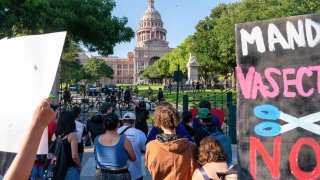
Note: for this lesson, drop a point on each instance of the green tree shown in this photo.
(163, 66)
(205, 44)
(168, 63)
(214, 39)
(96, 68)
(88, 22)
(151, 72)
(71, 70)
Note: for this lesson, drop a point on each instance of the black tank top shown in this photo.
(68, 154)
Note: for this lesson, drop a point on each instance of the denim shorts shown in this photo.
(72, 174)
(37, 172)
(110, 176)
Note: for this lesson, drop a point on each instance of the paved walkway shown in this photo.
(89, 164)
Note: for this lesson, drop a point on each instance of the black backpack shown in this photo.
(40, 159)
(56, 167)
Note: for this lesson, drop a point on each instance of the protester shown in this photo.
(138, 140)
(4, 163)
(66, 129)
(127, 95)
(212, 158)
(181, 87)
(186, 120)
(210, 130)
(213, 125)
(193, 86)
(95, 127)
(53, 124)
(170, 87)
(136, 91)
(120, 91)
(81, 130)
(160, 95)
(40, 160)
(66, 95)
(180, 129)
(170, 156)
(198, 86)
(150, 91)
(113, 96)
(112, 152)
(23, 162)
(142, 114)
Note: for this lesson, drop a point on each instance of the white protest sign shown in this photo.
(28, 67)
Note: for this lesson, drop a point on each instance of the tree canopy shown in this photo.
(214, 40)
(87, 22)
(71, 70)
(97, 68)
(167, 64)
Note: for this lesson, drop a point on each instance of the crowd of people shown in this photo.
(173, 148)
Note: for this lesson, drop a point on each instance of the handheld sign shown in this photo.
(27, 71)
(278, 71)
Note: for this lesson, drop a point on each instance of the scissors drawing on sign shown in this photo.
(270, 112)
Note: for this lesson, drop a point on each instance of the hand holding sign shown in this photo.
(43, 115)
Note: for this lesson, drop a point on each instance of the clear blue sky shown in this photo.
(179, 17)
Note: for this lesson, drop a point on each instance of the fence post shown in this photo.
(229, 99)
(222, 100)
(232, 123)
(185, 103)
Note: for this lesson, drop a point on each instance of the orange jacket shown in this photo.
(173, 160)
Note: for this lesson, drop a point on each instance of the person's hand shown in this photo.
(43, 114)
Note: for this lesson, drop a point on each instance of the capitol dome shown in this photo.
(150, 26)
(151, 13)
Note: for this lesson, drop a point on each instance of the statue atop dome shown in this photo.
(151, 4)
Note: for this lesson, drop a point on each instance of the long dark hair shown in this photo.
(66, 124)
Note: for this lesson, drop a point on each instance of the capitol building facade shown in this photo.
(151, 45)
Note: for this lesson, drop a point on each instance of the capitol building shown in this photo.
(151, 44)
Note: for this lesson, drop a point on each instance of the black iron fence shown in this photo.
(223, 100)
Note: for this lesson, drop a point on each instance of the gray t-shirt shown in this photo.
(138, 140)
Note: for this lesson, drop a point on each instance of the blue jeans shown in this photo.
(37, 172)
(80, 156)
(72, 174)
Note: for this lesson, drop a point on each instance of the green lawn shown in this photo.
(217, 98)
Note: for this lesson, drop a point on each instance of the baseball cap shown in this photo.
(52, 96)
(105, 107)
(129, 116)
(204, 113)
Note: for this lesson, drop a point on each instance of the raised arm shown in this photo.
(24, 160)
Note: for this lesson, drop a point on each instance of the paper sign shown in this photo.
(28, 67)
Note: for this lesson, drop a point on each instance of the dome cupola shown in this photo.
(150, 26)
